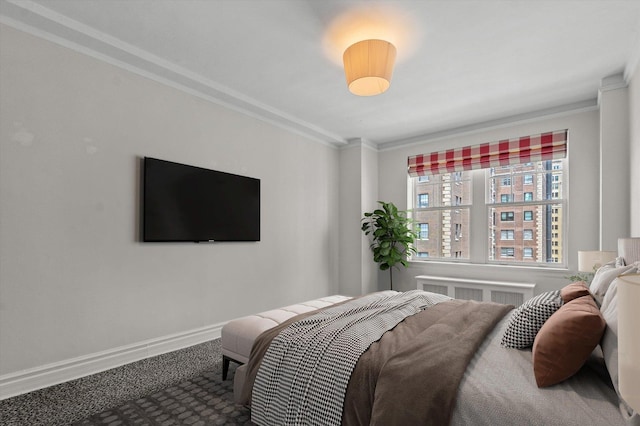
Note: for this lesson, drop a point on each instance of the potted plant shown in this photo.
(393, 236)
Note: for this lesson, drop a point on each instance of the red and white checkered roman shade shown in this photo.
(526, 149)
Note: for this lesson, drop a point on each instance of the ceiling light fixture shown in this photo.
(368, 66)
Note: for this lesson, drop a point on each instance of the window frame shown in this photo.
(510, 252)
(421, 230)
(509, 216)
(510, 234)
(422, 205)
(478, 231)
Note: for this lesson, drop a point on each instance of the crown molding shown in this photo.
(559, 111)
(360, 142)
(611, 82)
(44, 23)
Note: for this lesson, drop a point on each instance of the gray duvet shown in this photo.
(499, 388)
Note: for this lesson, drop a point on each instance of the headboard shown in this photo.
(629, 249)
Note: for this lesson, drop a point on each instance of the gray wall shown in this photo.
(634, 122)
(74, 279)
(358, 194)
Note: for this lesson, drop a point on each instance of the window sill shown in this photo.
(466, 264)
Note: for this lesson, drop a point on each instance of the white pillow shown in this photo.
(604, 277)
(609, 345)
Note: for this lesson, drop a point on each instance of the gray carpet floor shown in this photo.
(184, 387)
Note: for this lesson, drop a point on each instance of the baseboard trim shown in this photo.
(21, 382)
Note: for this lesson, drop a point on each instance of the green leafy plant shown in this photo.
(393, 236)
(580, 276)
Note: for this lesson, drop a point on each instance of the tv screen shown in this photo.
(188, 203)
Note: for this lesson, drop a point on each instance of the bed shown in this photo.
(453, 362)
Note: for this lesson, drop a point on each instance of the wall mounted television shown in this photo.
(188, 203)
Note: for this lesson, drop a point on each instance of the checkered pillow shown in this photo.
(526, 320)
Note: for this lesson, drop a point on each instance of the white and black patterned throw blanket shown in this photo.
(304, 374)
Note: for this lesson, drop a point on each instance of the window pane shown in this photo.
(526, 182)
(500, 186)
(506, 216)
(423, 200)
(452, 189)
(531, 235)
(447, 231)
(506, 252)
(526, 225)
(423, 231)
(441, 212)
(506, 234)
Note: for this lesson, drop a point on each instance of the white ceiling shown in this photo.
(460, 63)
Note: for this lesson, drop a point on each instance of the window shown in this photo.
(507, 252)
(423, 179)
(422, 254)
(423, 233)
(507, 216)
(522, 215)
(506, 234)
(525, 204)
(423, 200)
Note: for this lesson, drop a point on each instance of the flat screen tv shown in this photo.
(188, 203)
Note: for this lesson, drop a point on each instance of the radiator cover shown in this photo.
(507, 292)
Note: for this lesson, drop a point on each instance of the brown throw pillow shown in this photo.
(574, 290)
(565, 341)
